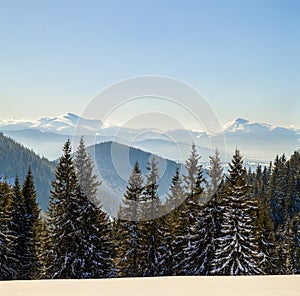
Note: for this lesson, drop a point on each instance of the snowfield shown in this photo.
(175, 286)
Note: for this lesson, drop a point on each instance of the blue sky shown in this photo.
(243, 56)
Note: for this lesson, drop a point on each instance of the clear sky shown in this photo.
(243, 56)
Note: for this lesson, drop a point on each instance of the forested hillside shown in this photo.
(241, 223)
(15, 160)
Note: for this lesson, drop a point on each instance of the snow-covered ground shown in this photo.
(175, 286)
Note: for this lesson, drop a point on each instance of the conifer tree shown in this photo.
(267, 249)
(215, 173)
(151, 239)
(170, 228)
(288, 237)
(189, 211)
(84, 172)
(16, 224)
(128, 227)
(293, 192)
(44, 246)
(78, 231)
(278, 192)
(176, 193)
(29, 231)
(236, 251)
(202, 246)
(7, 257)
(295, 245)
(194, 187)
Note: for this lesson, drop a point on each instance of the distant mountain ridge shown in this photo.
(113, 164)
(256, 140)
(109, 159)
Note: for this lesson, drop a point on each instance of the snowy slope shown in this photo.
(175, 286)
(260, 140)
(64, 124)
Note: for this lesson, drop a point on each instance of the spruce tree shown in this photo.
(7, 256)
(267, 248)
(189, 211)
(278, 192)
(237, 248)
(170, 228)
(30, 231)
(128, 239)
(215, 173)
(202, 246)
(295, 245)
(84, 172)
(17, 222)
(151, 247)
(208, 227)
(79, 233)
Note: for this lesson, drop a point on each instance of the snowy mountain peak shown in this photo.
(241, 121)
(236, 124)
(71, 116)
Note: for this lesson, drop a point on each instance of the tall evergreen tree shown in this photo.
(189, 211)
(215, 174)
(293, 193)
(194, 186)
(267, 248)
(16, 224)
(29, 231)
(202, 246)
(171, 231)
(79, 231)
(278, 192)
(151, 238)
(7, 257)
(294, 244)
(236, 252)
(128, 240)
(84, 172)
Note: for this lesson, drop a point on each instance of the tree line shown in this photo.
(238, 223)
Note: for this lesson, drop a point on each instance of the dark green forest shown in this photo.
(235, 223)
(15, 159)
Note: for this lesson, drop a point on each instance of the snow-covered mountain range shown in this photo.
(259, 141)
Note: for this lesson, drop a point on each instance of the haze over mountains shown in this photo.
(110, 167)
(258, 141)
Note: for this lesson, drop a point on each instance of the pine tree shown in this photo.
(208, 228)
(215, 174)
(288, 240)
(170, 228)
(293, 192)
(79, 233)
(84, 172)
(44, 246)
(128, 226)
(151, 240)
(16, 224)
(267, 249)
(29, 231)
(202, 245)
(295, 245)
(189, 211)
(7, 257)
(176, 194)
(194, 187)
(278, 192)
(236, 252)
